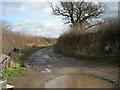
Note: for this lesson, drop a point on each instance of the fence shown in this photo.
(4, 61)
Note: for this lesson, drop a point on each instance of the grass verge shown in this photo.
(18, 67)
(12, 71)
(108, 60)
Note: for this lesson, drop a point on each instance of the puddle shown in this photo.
(46, 56)
(77, 81)
(47, 71)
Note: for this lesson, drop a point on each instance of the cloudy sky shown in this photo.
(35, 18)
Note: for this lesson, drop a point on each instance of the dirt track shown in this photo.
(45, 65)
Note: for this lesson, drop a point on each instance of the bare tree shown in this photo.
(78, 12)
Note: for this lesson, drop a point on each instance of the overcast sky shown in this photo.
(35, 18)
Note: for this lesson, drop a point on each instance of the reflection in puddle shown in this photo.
(77, 81)
(47, 70)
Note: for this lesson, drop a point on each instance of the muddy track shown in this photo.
(45, 65)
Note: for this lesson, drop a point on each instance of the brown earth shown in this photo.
(45, 65)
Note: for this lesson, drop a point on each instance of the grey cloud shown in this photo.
(46, 29)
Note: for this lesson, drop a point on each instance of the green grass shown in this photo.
(12, 71)
(17, 69)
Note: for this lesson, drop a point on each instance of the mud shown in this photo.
(45, 65)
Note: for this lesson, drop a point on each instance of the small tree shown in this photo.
(78, 12)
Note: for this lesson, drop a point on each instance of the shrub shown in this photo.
(12, 40)
(103, 42)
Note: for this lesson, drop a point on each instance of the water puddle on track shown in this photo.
(77, 81)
